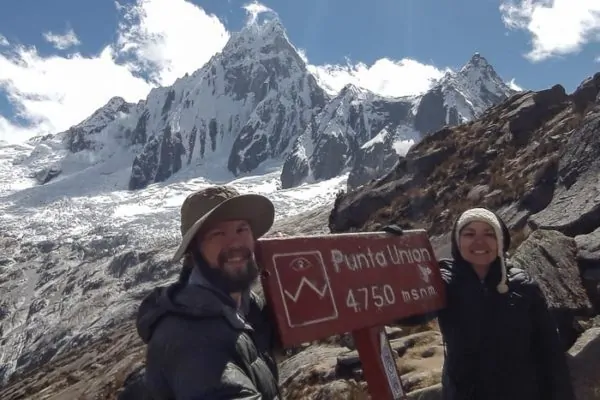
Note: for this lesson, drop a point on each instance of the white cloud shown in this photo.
(254, 9)
(386, 77)
(162, 39)
(557, 27)
(3, 41)
(12, 133)
(53, 93)
(597, 59)
(513, 85)
(62, 42)
(171, 37)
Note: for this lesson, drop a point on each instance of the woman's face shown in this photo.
(477, 244)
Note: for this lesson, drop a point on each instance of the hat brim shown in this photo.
(258, 210)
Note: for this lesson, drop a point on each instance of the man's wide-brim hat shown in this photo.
(202, 209)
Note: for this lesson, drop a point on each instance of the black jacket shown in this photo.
(499, 346)
(201, 347)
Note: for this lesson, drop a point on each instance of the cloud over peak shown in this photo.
(385, 77)
(62, 41)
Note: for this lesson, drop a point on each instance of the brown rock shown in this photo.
(574, 209)
(586, 92)
(584, 363)
(551, 258)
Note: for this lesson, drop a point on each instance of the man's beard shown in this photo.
(236, 279)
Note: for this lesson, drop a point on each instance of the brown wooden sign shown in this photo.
(322, 285)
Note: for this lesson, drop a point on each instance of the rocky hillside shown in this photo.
(256, 102)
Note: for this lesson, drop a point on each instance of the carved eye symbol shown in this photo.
(300, 264)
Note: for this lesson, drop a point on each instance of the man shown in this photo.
(208, 335)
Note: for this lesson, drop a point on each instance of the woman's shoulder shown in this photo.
(518, 277)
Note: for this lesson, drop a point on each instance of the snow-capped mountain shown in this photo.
(347, 128)
(256, 103)
(244, 107)
(89, 216)
(459, 97)
(366, 133)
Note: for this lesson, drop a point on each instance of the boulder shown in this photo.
(588, 256)
(586, 92)
(575, 206)
(551, 258)
(584, 363)
(312, 373)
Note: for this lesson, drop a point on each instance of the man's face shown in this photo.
(229, 247)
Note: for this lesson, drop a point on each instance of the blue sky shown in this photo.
(61, 60)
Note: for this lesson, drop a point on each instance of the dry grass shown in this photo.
(337, 390)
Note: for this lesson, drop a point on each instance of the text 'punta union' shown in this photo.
(390, 255)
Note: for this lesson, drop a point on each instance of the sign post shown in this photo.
(322, 285)
(379, 365)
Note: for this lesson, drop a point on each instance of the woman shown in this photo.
(500, 339)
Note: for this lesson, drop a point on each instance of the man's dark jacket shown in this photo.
(498, 346)
(199, 346)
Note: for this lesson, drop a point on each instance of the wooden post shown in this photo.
(378, 364)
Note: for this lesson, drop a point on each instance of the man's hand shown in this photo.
(393, 229)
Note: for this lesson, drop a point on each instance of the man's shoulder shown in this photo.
(195, 315)
(176, 326)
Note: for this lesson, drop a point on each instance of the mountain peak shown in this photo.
(258, 34)
(115, 103)
(477, 61)
(351, 90)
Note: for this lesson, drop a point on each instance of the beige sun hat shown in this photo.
(205, 207)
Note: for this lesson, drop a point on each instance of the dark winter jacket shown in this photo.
(498, 346)
(201, 347)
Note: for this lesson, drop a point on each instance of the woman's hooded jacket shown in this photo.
(498, 346)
